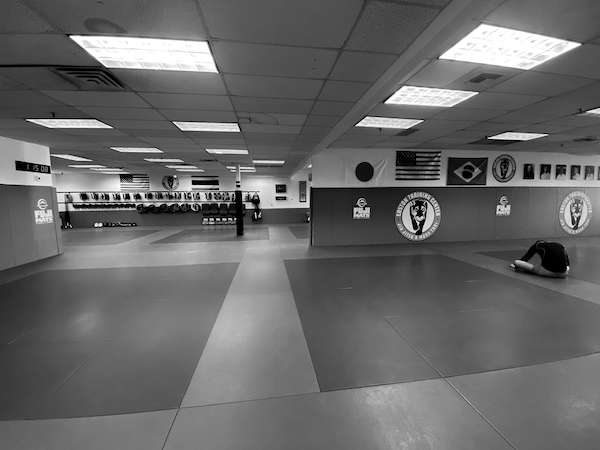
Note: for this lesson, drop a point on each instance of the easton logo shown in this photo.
(575, 212)
(418, 216)
(504, 168)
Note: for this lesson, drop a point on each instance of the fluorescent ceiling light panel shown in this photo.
(71, 157)
(590, 113)
(122, 52)
(69, 123)
(226, 151)
(181, 166)
(208, 126)
(242, 169)
(511, 136)
(497, 46)
(163, 160)
(112, 173)
(387, 122)
(108, 169)
(273, 162)
(136, 150)
(190, 170)
(423, 96)
(86, 166)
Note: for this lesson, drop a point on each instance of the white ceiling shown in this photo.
(296, 76)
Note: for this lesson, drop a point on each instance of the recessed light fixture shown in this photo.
(226, 151)
(70, 157)
(86, 166)
(69, 123)
(208, 126)
(152, 54)
(181, 166)
(497, 46)
(590, 113)
(137, 149)
(423, 96)
(163, 160)
(512, 136)
(190, 170)
(387, 122)
(272, 162)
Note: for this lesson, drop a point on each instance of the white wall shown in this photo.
(329, 167)
(265, 186)
(11, 151)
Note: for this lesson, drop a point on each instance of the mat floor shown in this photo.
(192, 337)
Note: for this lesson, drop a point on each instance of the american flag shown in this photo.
(134, 182)
(418, 165)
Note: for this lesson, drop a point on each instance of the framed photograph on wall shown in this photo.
(280, 188)
(561, 172)
(589, 173)
(528, 172)
(545, 171)
(575, 172)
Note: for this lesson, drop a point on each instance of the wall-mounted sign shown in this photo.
(504, 168)
(31, 167)
(281, 188)
(280, 197)
(575, 213)
(418, 216)
(170, 182)
(302, 191)
(503, 208)
(361, 210)
(43, 215)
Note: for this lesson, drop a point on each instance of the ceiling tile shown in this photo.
(258, 128)
(209, 141)
(141, 133)
(142, 124)
(573, 121)
(331, 108)
(586, 93)
(560, 19)
(464, 83)
(42, 112)
(406, 111)
(310, 23)
(496, 100)
(543, 128)
(173, 19)
(7, 84)
(322, 121)
(42, 49)
(96, 99)
(575, 63)
(345, 91)
(487, 127)
(317, 131)
(18, 18)
(271, 119)
(171, 81)
(292, 88)
(190, 115)
(188, 101)
(121, 113)
(559, 107)
(272, 105)
(38, 78)
(446, 124)
(356, 66)
(457, 113)
(520, 117)
(538, 83)
(273, 60)
(276, 137)
(26, 98)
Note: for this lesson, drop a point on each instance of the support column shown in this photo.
(239, 213)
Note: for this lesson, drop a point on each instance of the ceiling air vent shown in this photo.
(587, 139)
(90, 78)
(484, 77)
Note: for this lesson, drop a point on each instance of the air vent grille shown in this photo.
(90, 78)
(484, 77)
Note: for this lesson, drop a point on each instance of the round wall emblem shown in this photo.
(42, 204)
(504, 168)
(418, 216)
(170, 182)
(575, 213)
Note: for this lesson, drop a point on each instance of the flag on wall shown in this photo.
(467, 171)
(418, 165)
(365, 172)
(134, 182)
(205, 183)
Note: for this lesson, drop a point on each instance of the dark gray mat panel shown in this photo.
(584, 261)
(476, 341)
(146, 367)
(300, 231)
(29, 373)
(215, 234)
(102, 236)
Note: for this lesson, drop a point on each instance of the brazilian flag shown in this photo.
(467, 171)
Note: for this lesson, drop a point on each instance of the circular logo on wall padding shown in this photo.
(418, 216)
(504, 168)
(575, 213)
(170, 182)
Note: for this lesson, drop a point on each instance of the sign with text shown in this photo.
(42, 214)
(361, 210)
